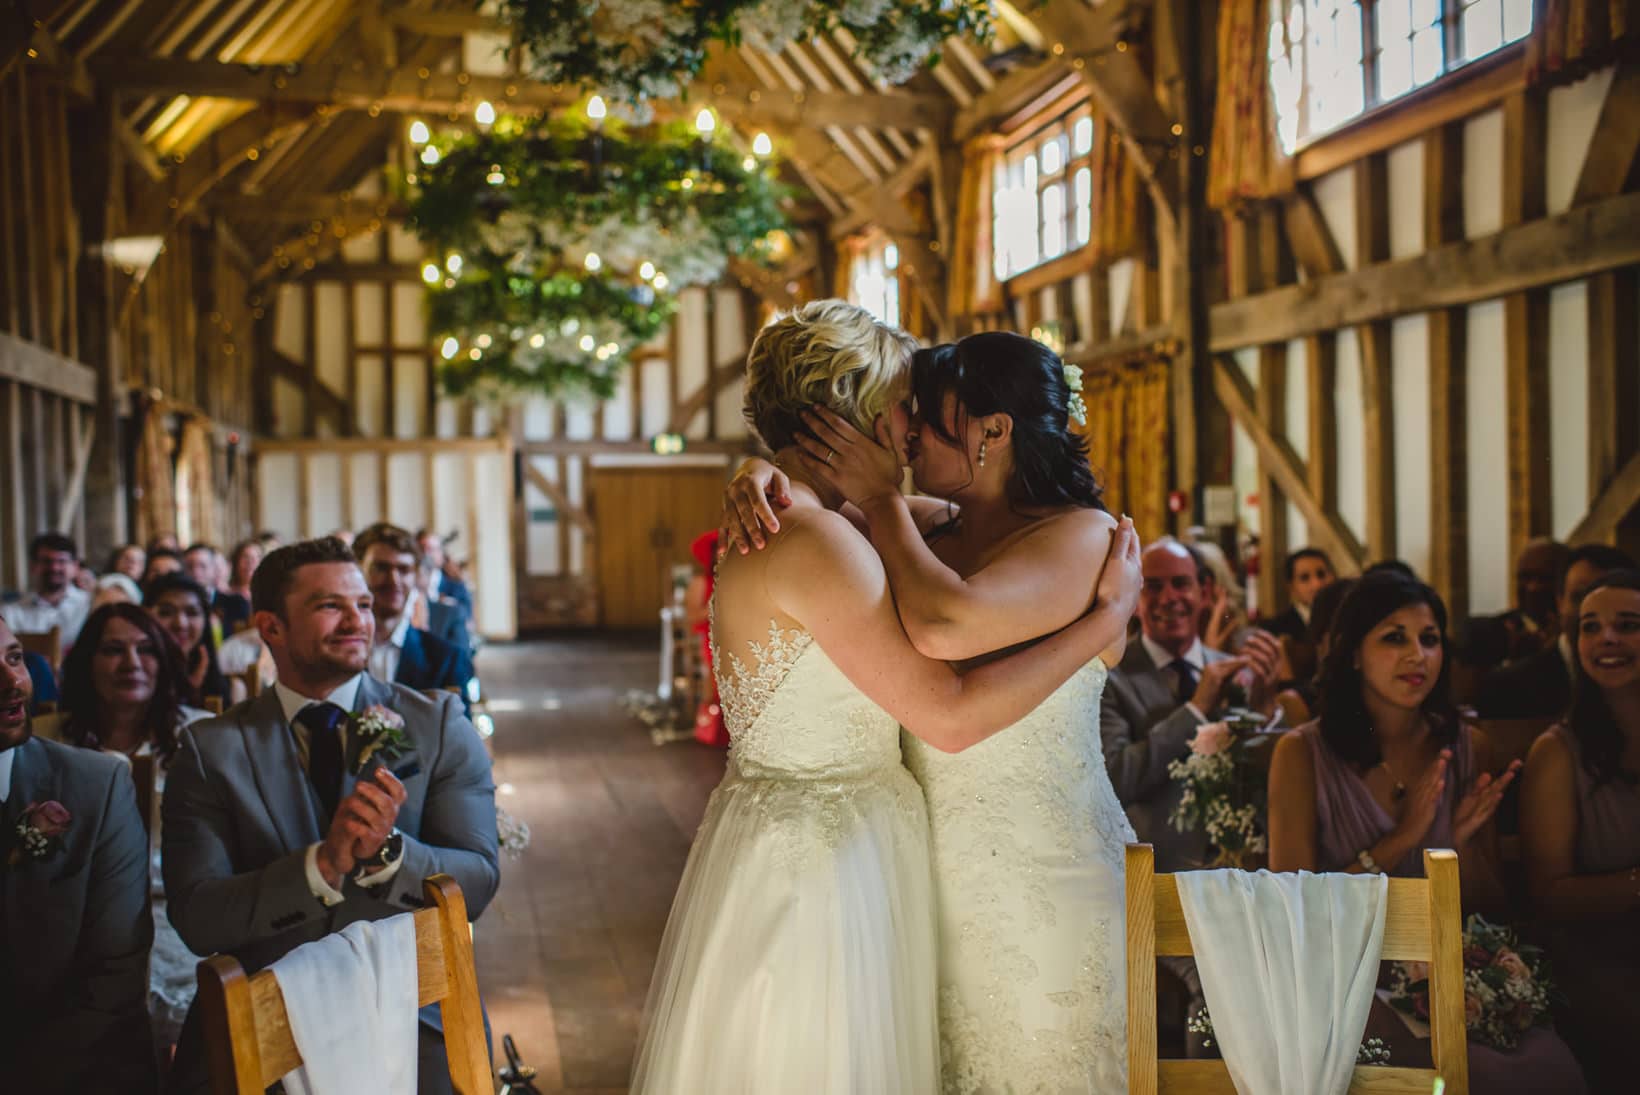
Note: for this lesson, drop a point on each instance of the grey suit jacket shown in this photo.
(1144, 727)
(77, 931)
(240, 814)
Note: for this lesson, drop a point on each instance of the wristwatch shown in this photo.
(388, 854)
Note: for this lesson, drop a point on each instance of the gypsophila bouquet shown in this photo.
(1506, 985)
(513, 833)
(1223, 793)
(1373, 1051)
(39, 831)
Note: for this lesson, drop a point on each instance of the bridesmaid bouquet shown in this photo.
(1223, 788)
(1506, 984)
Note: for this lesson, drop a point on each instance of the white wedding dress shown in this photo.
(800, 952)
(1028, 843)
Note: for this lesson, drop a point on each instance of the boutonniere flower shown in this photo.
(40, 831)
(380, 733)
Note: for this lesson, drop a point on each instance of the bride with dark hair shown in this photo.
(1005, 547)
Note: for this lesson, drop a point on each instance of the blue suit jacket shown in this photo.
(45, 681)
(448, 622)
(429, 663)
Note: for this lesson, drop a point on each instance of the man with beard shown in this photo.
(276, 830)
(75, 924)
(54, 600)
(402, 653)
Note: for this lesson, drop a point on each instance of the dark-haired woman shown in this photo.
(1580, 830)
(123, 686)
(1389, 770)
(183, 608)
(1006, 547)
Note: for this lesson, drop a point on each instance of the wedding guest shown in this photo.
(1308, 572)
(1223, 623)
(1390, 770)
(53, 600)
(180, 606)
(1398, 566)
(447, 586)
(162, 561)
(242, 564)
(115, 589)
(402, 653)
(1580, 832)
(344, 535)
(124, 693)
(128, 559)
(1533, 623)
(165, 541)
(270, 541)
(1300, 701)
(75, 926)
(229, 610)
(1540, 685)
(268, 846)
(443, 619)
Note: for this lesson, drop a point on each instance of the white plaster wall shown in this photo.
(409, 396)
(693, 368)
(365, 481)
(1409, 352)
(657, 396)
(1488, 461)
(290, 321)
(453, 492)
(1335, 195)
(1568, 406)
(368, 313)
(371, 410)
(1404, 169)
(579, 412)
(1483, 174)
(279, 500)
(617, 410)
(407, 489)
(330, 341)
(488, 546)
(541, 550)
(1571, 115)
(1121, 287)
(324, 499)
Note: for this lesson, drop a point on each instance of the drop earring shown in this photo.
(982, 454)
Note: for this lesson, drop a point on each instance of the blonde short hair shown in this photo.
(826, 352)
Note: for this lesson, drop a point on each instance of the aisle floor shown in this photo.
(565, 951)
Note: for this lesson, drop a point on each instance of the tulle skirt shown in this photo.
(800, 953)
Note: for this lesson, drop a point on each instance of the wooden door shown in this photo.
(647, 518)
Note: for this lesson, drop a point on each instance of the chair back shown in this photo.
(1422, 925)
(213, 704)
(47, 644)
(248, 1031)
(253, 681)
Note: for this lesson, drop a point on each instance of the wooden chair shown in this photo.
(1422, 925)
(248, 1033)
(253, 681)
(213, 704)
(47, 644)
(45, 707)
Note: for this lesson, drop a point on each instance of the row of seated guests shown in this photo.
(259, 839)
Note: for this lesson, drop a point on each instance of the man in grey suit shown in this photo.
(272, 839)
(75, 925)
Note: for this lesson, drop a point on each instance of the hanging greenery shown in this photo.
(561, 244)
(642, 49)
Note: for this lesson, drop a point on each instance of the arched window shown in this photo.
(1042, 194)
(1334, 60)
(874, 280)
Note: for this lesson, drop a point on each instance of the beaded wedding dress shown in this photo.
(1028, 843)
(799, 956)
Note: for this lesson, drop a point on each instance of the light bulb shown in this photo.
(646, 271)
(475, 353)
(449, 349)
(588, 342)
(495, 177)
(429, 156)
(419, 133)
(569, 326)
(593, 261)
(483, 342)
(537, 341)
(761, 145)
(749, 163)
(484, 113)
(660, 281)
(705, 122)
(596, 109)
(452, 263)
(431, 273)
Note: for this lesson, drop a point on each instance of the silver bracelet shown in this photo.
(1368, 864)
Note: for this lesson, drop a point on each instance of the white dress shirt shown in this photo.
(1162, 658)
(292, 703)
(5, 774)
(33, 614)
(385, 652)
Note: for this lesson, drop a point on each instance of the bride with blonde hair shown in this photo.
(801, 950)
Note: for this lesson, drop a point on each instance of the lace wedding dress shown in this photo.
(1028, 863)
(799, 956)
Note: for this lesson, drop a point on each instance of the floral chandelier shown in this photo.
(561, 244)
(643, 49)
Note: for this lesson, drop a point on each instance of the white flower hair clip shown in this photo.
(1074, 406)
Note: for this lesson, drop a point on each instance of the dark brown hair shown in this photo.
(394, 538)
(83, 705)
(273, 579)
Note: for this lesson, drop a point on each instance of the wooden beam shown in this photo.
(1321, 389)
(1371, 180)
(1448, 381)
(321, 396)
(1610, 160)
(1613, 506)
(303, 207)
(424, 90)
(1283, 464)
(1023, 85)
(1271, 408)
(685, 410)
(1546, 252)
(74, 493)
(1314, 248)
(1526, 323)
(224, 151)
(885, 198)
(34, 365)
(1614, 375)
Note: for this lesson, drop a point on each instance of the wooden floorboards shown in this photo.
(565, 951)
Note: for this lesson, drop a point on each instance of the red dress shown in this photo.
(709, 728)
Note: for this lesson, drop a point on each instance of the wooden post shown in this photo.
(1377, 365)
(1273, 545)
(1614, 375)
(1448, 380)
(1526, 319)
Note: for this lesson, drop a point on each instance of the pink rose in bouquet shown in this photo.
(1211, 738)
(39, 830)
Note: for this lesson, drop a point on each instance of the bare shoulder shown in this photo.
(1552, 751)
(822, 557)
(1292, 752)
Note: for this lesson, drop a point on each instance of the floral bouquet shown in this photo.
(39, 831)
(1223, 788)
(1506, 985)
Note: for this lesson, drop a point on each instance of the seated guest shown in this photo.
(129, 560)
(1580, 831)
(1399, 566)
(401, 653)
(162, 561)
(53, 600)
(1390, 770)
(229, 611)
(165, 541)
(123, 693)
(446, 584)
(1223, 623)
(75, 927)
(1308, 572)
(1540, 686)
(179, 604)
(115, 589)
(247, 556)
(443, 619)
(1533, 623)
(1300, 702)
(272, 839)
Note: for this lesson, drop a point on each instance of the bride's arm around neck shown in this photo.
(827, 577)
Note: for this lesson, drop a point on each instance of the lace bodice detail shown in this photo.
(791, 713)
